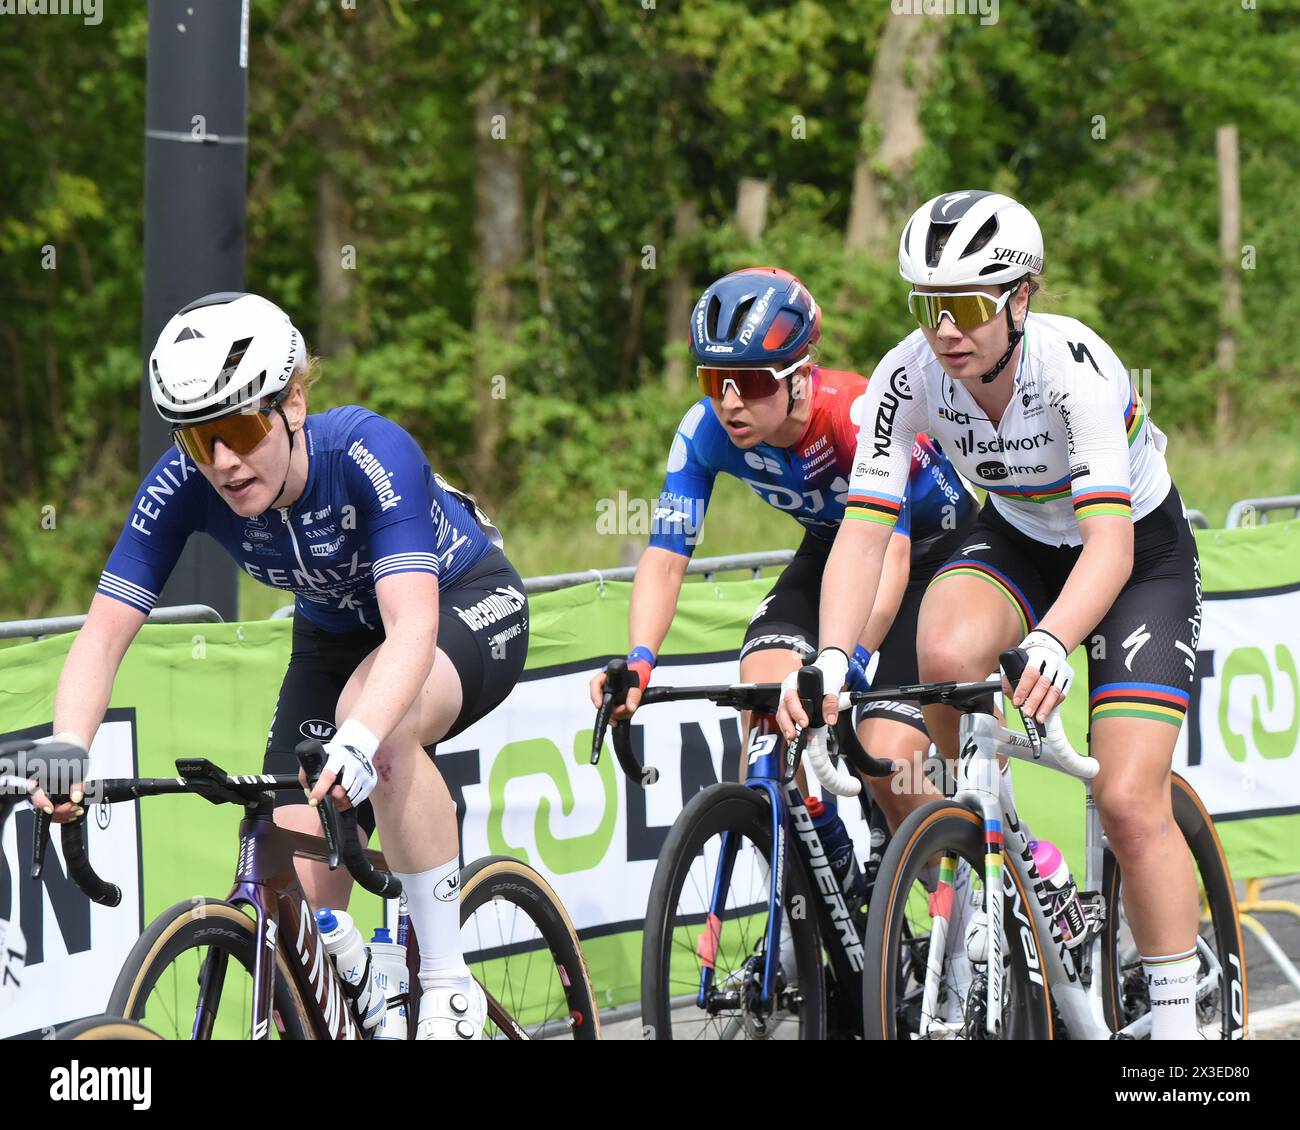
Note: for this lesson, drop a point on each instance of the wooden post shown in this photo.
(1229, 274)
(681, 298)
(751, 208)
(905, 59)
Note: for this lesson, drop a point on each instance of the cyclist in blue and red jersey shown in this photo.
(409, 621)
(787, 428)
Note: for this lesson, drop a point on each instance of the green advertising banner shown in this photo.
(523, 776)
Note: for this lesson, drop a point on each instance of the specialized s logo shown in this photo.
(899, 390)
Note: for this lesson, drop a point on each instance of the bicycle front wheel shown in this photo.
(680, 938)
(898, 939)
(105, 1027)
(524, 952)
(190, 977)
(1221, 1005)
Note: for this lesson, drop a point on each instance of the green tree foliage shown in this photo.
(1100, 114)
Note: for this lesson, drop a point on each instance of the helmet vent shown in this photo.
(738, 318)
(936, 241)
(711, 318)
(233, 358)
(987, 231)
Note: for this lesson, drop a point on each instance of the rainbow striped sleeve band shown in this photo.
(1139, 700)
(868, 507)
(1095, 501)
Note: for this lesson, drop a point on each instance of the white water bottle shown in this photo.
(347, 949)
(392, 976)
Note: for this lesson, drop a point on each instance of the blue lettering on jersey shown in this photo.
(371, 508)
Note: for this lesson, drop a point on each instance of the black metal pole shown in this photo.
(195, 168)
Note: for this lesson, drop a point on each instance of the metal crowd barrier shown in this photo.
(1244, 513)
(1247, 512)
(56, 625)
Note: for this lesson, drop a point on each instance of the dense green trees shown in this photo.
(512, 178)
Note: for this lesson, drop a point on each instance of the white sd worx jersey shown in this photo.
(1074, 442)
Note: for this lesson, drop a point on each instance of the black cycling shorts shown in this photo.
(1142, 656)
(788, 616)
(482, 629)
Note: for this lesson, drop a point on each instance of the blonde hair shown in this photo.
(308, 375)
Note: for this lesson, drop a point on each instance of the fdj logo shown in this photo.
(542, 757)
(1260, 694)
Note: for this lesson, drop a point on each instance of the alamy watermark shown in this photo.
(987, 10)
(88, 10)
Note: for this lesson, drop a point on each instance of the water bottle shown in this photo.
(347, 949)
(839, 848)
(391, 975)
(1055, 872)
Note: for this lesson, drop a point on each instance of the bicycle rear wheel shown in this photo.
(679, 940)
(898, 937)
(522, 948)
(1221, 1008)
(161, 982)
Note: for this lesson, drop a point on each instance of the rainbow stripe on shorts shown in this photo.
(1152, 701)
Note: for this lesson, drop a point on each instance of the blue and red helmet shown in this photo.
(757, 316)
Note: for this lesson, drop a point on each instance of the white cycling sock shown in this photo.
(1171, 985)
(433, 902)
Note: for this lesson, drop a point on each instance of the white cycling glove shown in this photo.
(1048, 656)
(834, 666)
(350, 756)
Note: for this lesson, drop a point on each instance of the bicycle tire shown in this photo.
(942, 826)
(1122, 995)
(194, 925)
(105, 1027)
(498, 877)
(719, 808)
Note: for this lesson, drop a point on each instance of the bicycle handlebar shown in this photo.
(1053, 740)
(58, 768)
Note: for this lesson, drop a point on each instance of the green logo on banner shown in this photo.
(560, 854)
(1251, 662)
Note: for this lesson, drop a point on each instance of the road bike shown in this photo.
(711, 953)
(1029, 983)
(253, 965)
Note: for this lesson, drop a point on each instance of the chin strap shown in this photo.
(290, 464)
(1013, 339)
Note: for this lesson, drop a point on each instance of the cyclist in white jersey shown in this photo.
(1083, 540)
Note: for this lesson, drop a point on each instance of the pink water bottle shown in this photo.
(1066, 906)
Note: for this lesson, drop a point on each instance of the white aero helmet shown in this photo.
(970, 238)
(221, 353)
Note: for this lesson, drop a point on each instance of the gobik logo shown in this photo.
(74, 947)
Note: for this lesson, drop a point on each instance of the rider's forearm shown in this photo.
(850, 582)
(85, 684)
(889, 598)
(400, 669)
(655, 589)
(84, 690)
(1095, 581)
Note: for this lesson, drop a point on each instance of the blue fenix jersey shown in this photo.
(371, 508)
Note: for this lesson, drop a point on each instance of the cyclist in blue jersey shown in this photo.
(409, 621)
(787, 428)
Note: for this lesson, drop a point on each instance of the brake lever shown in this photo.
(40, 841)
(617, 684)
(311, 755)
(1013, 662)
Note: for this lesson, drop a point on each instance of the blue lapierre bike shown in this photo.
(735, 948)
